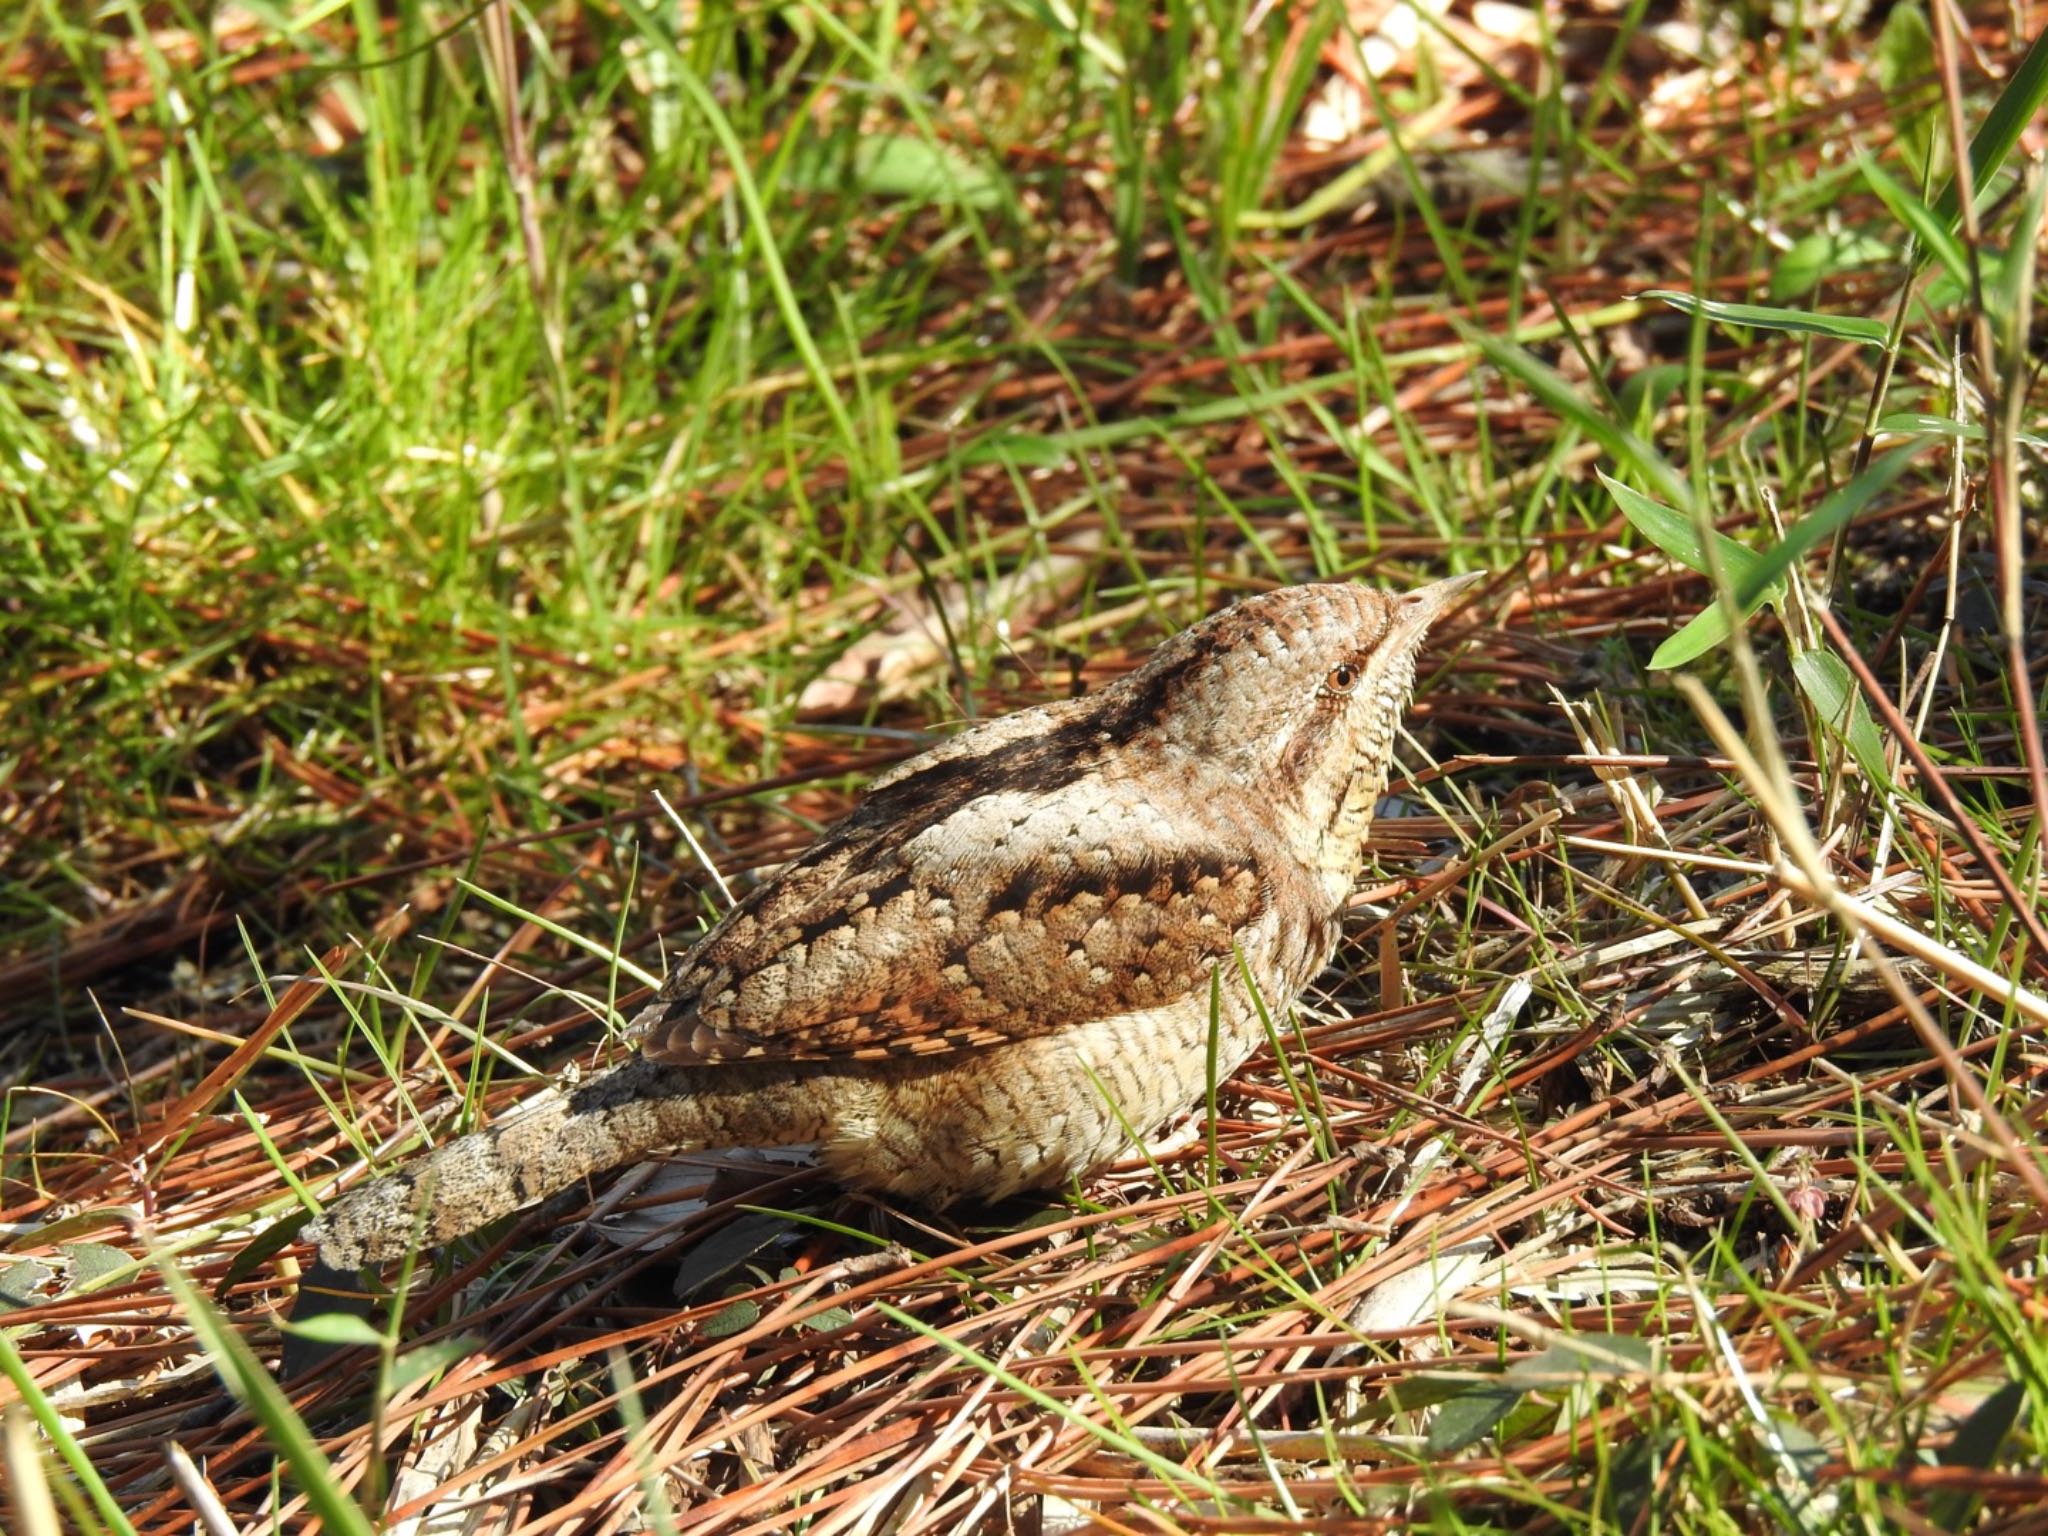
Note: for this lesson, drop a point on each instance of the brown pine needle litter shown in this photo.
(417, 457)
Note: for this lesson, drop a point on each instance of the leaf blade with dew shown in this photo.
(1766, 317)
(1836, 509)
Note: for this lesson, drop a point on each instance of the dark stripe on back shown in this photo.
(892, 816)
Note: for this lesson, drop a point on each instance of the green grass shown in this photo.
(384, 519)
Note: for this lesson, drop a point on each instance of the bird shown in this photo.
(1042, 937)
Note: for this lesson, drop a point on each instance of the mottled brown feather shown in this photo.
(982, 945)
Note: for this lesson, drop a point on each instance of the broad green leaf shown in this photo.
(1411, 1394)
(1924, 424)
(1946, 291)
(1935, 236)
(1859, 328)
(1904, 45)
(1571, 1359)
(2019, 104)
(1800, 1447)
(1815, 257)
(93, 1262)
(1976, 1443)
(1644, 390)
(1978, 1439)
(1469, 1416)
(713, 1258)
(1546, 385)
(1825, 680)
(1837, 508)
(96, 1219)
(341, 1329)
(1679, 538)
(729, 1320)
(21, 1285)
(915, 170)
(2008, 289)
(250, 1257)
(1575, 1355)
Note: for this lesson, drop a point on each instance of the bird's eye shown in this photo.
(1342, 679)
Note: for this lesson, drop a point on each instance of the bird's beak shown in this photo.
(1428, 604)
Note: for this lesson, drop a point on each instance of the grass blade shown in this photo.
(1936, 236)
(1838, 508)
(2019, 104)
(1765, 317)
(52, 1424)
(244, 1376)
(1548, 386)
(1707, 629)
(1922, 424)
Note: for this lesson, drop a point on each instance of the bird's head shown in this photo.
(1297, 694)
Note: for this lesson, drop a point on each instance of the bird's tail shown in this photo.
(546, 1146)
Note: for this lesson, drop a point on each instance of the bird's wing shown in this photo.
(984, 918)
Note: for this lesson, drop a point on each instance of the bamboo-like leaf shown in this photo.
(1679, 537)
(1709, 627)
(1763, 317)
(1676, 534)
